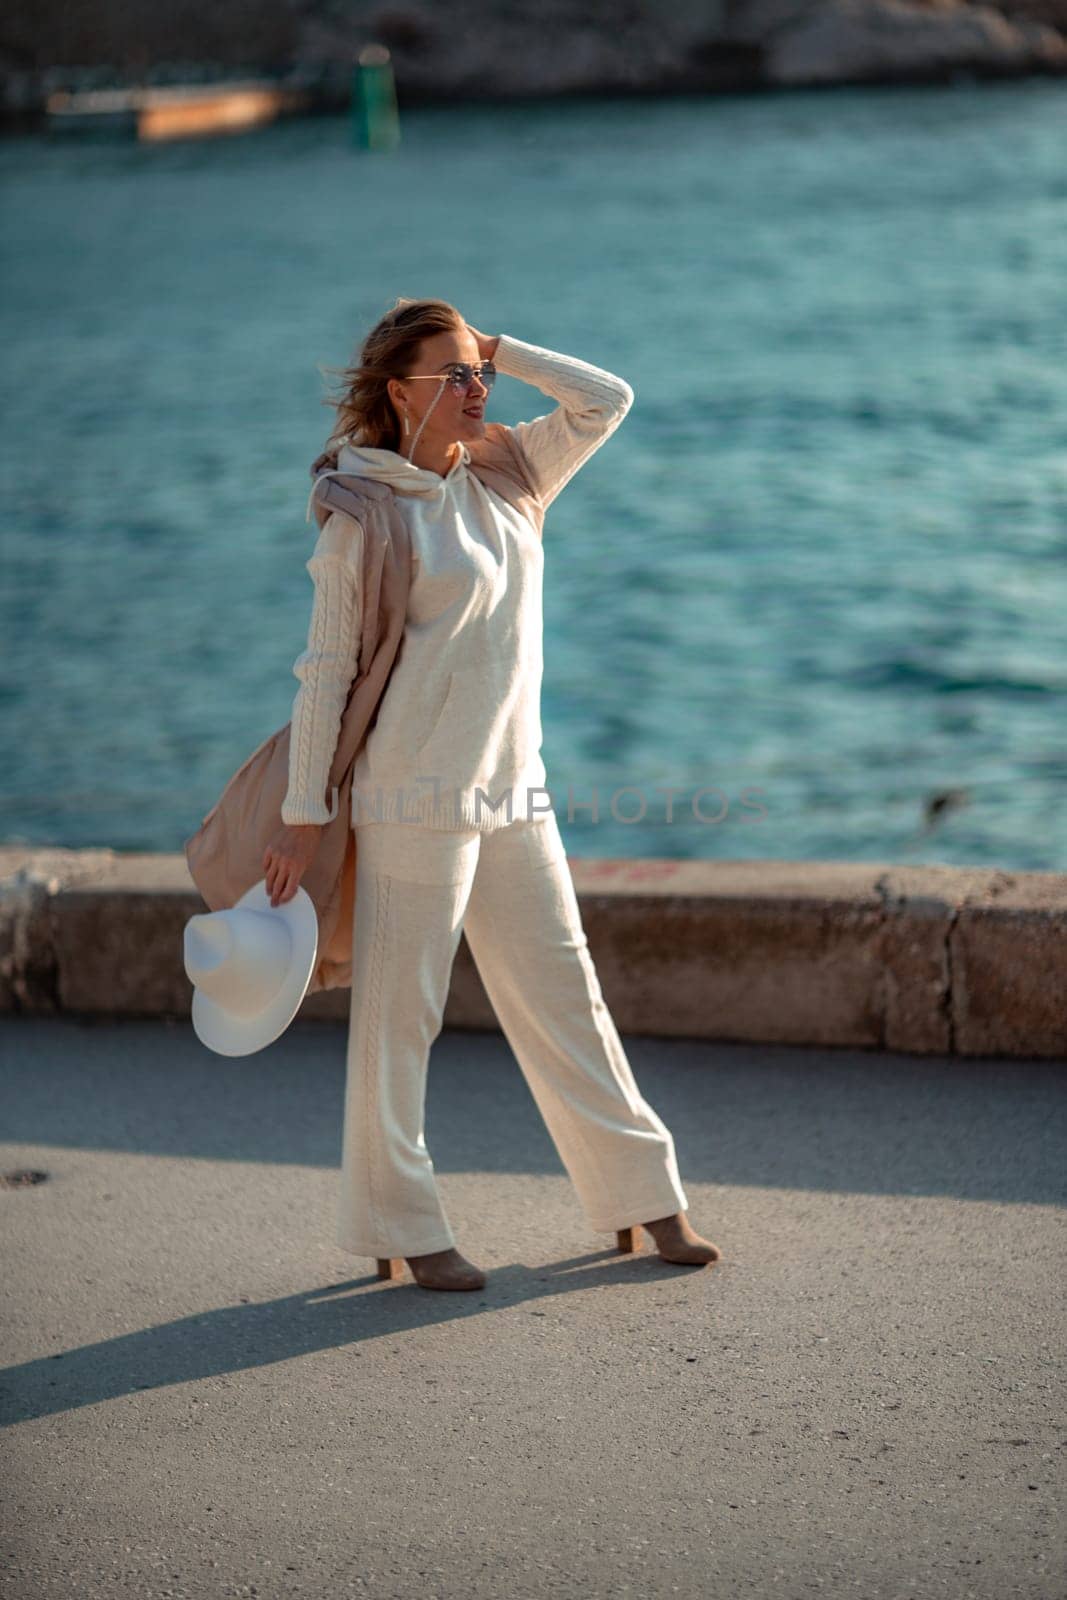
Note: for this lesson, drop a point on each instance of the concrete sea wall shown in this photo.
(930, 960)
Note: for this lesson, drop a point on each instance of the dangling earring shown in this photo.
(407, 423)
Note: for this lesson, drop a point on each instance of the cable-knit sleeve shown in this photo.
(326, 669)
(592, 404)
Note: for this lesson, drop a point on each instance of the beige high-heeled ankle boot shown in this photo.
(441, 1269)
(675, 1241)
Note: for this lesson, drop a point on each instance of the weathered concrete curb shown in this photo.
(926, 960)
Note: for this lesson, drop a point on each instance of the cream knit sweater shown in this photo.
(457, 739)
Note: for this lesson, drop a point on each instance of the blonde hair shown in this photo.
(365, 413)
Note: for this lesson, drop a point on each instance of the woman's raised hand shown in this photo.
(486, 342)
(287, 858)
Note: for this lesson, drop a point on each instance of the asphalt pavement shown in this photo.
(203, 1395)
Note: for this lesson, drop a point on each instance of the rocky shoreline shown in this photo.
(483, 50)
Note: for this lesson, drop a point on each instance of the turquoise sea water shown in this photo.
(818, 574)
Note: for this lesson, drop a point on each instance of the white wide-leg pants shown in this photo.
(510, 890)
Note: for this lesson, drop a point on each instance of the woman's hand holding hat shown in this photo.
(287, 858)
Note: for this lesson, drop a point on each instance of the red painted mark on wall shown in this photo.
(629, 871)
(640, 871)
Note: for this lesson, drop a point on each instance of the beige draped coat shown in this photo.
(225, 854)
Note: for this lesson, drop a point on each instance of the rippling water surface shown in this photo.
(819, 574)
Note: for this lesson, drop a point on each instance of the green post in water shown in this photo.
(375, 120)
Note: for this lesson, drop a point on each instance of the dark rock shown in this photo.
(486, 50)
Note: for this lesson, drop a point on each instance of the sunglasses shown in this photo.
(460, 375)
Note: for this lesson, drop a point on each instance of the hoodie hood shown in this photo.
(390, 468)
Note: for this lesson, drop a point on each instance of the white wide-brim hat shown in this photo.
(250, 967)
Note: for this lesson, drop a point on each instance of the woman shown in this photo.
(449, 805)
